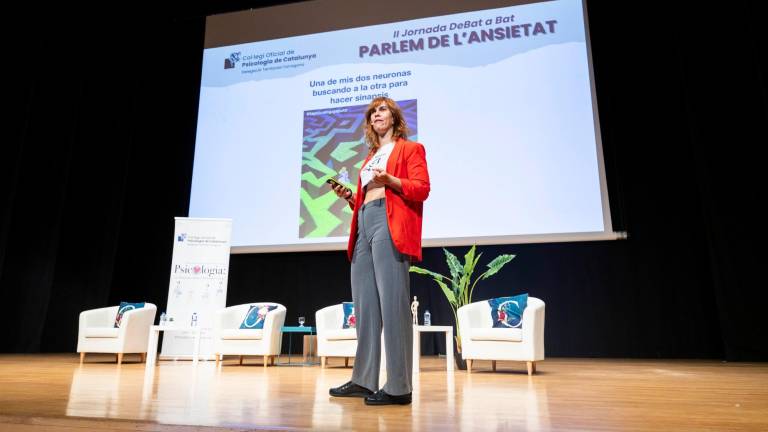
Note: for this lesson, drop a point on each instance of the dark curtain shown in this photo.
(97, 160)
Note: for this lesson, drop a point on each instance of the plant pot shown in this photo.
(461, 364)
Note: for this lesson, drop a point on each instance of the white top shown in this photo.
(379, 160)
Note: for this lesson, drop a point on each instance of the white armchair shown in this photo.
(229, 339)
(332, 339)
(480, 341)
(98, 334)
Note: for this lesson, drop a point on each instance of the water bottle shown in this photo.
(194, 319)
(163, 319)
(427, 318)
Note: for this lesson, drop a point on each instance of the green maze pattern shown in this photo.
(333, 145)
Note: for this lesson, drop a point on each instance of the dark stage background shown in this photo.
(101, 109)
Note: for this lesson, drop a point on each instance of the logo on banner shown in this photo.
(200, 270)
(231, 62)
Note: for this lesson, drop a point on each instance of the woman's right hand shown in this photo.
(342, 192)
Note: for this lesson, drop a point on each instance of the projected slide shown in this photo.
(505, 112)
(332, 148)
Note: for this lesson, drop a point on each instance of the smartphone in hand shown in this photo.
(333, 182)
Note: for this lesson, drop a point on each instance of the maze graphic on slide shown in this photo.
(333, 146)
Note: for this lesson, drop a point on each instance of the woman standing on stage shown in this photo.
(385, 237)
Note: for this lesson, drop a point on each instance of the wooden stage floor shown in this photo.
(47, 392)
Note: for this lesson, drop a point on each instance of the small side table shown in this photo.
(309, 336)
(418, 330)
(154, 335)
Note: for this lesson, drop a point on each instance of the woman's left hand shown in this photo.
(381, 177)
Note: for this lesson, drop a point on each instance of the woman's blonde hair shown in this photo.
(399, 126)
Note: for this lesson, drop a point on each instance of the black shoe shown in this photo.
(350, 389)
(382, 398)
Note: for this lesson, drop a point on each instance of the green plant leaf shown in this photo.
(419, 270)
(448, 293)
(439, 279)
(469, 261)
(453, 264)
(496, 265)
(476, 260)
(460, 289)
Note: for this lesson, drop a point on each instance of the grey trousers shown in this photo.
(381, 292)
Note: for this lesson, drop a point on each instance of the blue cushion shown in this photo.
(256, 316)
(507, 312)
(350, 321)
(125, 307)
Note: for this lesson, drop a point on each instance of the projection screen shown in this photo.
(500, 93)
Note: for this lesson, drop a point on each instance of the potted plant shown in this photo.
(458, 288)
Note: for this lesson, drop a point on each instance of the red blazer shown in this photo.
(404, 209)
